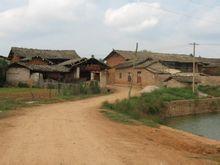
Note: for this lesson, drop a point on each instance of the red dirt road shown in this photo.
(77, 133)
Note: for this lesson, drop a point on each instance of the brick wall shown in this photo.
(115, 60)
(111, 76)
(37, 61)
(147, 77)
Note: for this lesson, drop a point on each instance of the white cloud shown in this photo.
(37, 14)
(209, 20)
(135, 16)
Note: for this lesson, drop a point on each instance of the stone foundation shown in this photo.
(191, 107)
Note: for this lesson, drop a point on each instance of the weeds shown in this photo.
(210, 90)
(147, 107)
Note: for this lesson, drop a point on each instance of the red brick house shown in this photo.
(160, 67)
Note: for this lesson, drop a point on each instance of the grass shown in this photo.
(118, 117)
(13, 104)
(14, 98)
(210, 90)
(8, 104)
(148, 107)
(19, 90)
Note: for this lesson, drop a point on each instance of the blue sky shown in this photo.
(98, 26)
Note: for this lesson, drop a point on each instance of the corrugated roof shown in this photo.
(47, 54)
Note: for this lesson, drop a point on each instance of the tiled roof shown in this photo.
(47, 54)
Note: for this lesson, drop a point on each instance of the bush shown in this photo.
(81, 88)
(3, 66)
(23, 85)
(94, 87)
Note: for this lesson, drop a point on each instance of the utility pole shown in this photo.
(133, 72)
(194, 64)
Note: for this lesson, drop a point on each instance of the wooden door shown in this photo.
(139, 77)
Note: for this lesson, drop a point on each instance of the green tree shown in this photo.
(3, 66)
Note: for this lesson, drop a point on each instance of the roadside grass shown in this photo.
(8, 104)
(148, 107)
(16, 98)
(210, 90)
(19, 90)
(115, 116)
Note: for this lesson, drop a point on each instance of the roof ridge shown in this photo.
(14, 47)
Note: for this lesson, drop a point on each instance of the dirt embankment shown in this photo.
(77, 133)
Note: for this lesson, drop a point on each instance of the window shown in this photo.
(120, 75)
(139, 73)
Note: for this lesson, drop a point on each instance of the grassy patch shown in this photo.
(19, 90)
(210, 90)
(147, 107)
(118, 117)
(14, 98)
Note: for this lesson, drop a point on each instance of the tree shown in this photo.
(3, 66)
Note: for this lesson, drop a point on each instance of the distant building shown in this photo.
(35, 66)
(149, 68)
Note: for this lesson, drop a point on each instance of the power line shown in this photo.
(211, 44)
(181, 14)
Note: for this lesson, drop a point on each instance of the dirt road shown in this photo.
(77, 133)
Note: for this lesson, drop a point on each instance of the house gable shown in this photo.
(114, 59)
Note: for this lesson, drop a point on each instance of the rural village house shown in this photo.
(35, 67)
(147, 68)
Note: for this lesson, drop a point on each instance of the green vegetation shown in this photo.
(13, 98)
(3, 66)
(118, 117)
(210, 90)
(13, 90)
(148, 107)
(79, 89)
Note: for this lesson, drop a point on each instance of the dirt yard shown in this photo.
(77, 133)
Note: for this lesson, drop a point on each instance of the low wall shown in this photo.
(191, 107)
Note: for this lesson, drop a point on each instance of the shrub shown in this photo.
(22, 85)
(94, 87)
(3, 66)
(81, 88)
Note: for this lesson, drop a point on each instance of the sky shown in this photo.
(98, 26)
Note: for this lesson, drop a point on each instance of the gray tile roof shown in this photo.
(47, 54)
(41, 68)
